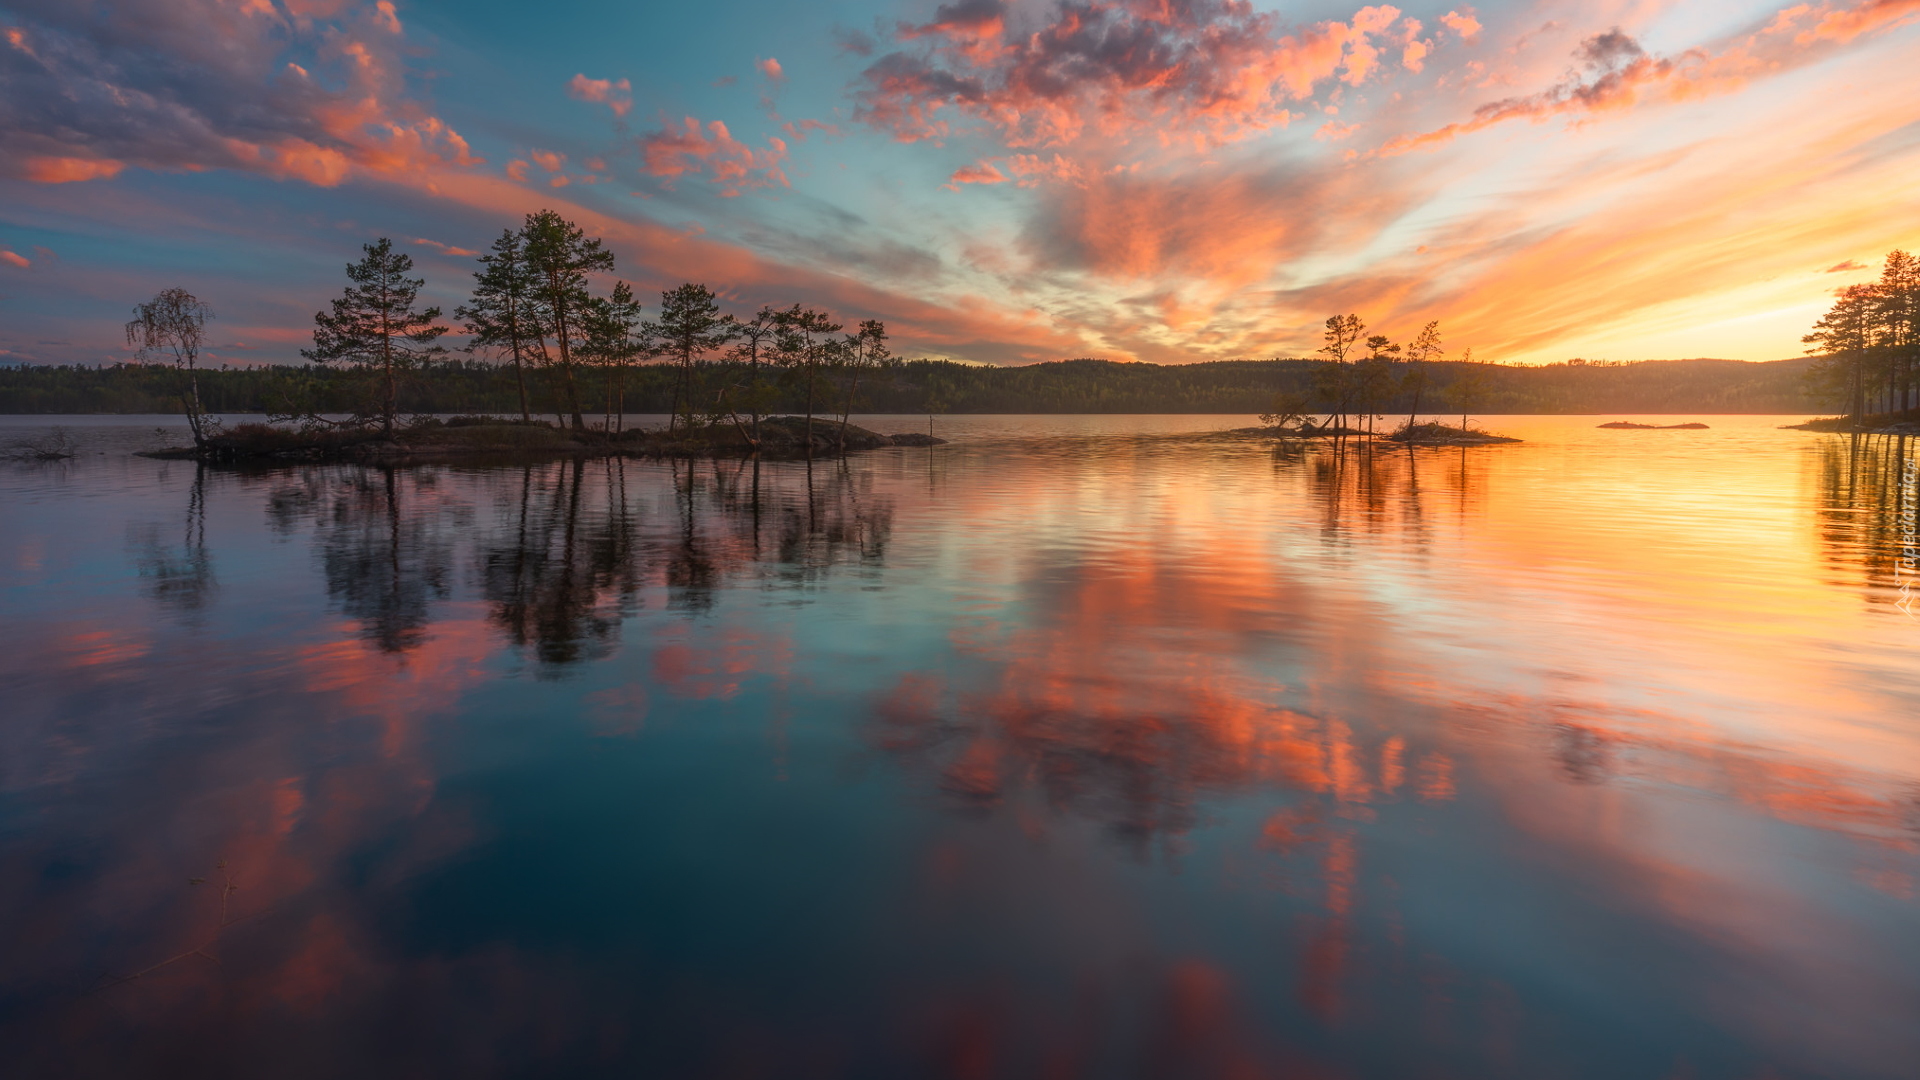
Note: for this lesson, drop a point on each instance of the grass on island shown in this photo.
(1438, 434)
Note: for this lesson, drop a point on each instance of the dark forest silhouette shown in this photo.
(918, 387)
(1869, 344)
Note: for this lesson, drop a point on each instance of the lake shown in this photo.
(1079, 747)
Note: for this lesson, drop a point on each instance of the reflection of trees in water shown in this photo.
(179, 577)
(581, 540)
(384, 543)
(1865, 506)
(566, 570)
(1379, 487)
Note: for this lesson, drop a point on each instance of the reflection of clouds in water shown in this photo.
(1198, 764)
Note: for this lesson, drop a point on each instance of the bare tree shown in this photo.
(752, 333)
(173, 324)
(1425, 347)
(861, 352)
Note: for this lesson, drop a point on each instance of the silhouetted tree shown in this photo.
(1425, 347)
(561, 256)
(615, 336)
(374, 326)
(690, 326)
(1897, 311)
(754, 334)
(862, 352)
(172, 324)
(1336, 386)
(499, 315)
(1844, 336)
(806, 346)
(1468, 389)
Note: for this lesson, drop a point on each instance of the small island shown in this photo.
(1654, 427)
(432, 438)
(1437, 434)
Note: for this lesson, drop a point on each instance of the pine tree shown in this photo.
(805, 345)
(754, 335)
(1897, 311)
(1425, 347)
(375, 327)
(499, 314)
(1845, 337)
(690, 326)
(615, 337)
(865, 351)
(1336, 385)
(560, 257)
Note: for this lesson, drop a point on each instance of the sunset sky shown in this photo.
(1006, 182)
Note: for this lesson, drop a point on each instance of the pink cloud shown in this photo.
(617, 96)
(548, 160)
(982, 172)
(771, 69)
(797, 129)
(517, 169)
(66, 170)
(732, 165)
(1619, 74)
(1844, 23)
(319, 98)
(1462, 22)
(1032, 169)
(1206, 71)
(13, 259)
(445, 249)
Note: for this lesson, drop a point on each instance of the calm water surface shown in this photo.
(1080, 747)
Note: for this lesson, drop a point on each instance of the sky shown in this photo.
(999, 181)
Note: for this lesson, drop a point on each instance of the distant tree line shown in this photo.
(1869, 343)
(1244, 387)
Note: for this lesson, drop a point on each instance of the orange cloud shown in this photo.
(982, 172)
(1209, 73)
(14, 259)
(1620, 74)
(67, 170)
(771, 69)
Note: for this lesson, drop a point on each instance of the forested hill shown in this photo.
(1069, 386)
